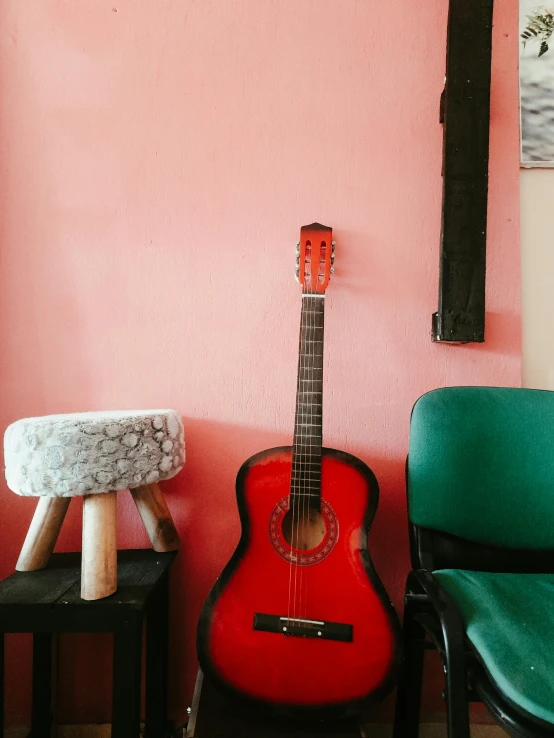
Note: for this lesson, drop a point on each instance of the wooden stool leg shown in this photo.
(156, 517)
(99, 564)
(43, 533)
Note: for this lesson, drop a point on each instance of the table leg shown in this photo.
(41, 720)
(156, 663)
(127, 679)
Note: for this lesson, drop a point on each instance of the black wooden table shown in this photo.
(49, 601)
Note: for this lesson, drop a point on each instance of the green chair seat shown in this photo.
(509, 619)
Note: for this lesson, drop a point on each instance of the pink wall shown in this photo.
(157, 158)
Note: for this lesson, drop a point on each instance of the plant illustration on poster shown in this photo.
(536, 82)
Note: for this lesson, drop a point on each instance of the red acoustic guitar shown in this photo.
(299, 620)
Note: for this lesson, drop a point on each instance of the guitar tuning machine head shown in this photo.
(333, 244)
(332, 270)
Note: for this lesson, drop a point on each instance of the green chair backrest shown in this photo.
(481, 465)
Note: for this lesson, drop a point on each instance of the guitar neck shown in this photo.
(306, 450)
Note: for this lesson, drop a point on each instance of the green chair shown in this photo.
(480, 480)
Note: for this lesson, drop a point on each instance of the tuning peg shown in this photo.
(333, 258)
(332, 270)
(333, 244)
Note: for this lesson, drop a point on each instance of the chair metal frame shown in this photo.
(432, 621)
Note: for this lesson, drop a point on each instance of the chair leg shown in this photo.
(457, 701)
(99, 563)
(156, 517)
(43, 533)
(408, 695)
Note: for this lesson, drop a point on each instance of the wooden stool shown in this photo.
(94, 455)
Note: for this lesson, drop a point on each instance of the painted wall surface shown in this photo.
(537, 277)
(157, 159)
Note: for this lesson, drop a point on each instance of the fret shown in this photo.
(306, 457)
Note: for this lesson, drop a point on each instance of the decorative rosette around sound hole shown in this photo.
(303, 558)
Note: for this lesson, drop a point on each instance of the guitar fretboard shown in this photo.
(306, 450)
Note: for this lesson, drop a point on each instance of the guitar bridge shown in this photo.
(323, 629)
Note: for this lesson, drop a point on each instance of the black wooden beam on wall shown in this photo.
(465, 113)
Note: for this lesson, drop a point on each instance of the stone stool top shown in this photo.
(89, 453)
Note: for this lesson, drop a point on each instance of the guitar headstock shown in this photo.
(315, 258)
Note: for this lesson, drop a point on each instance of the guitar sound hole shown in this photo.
(303, 530)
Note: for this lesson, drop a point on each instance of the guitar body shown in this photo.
(301, 630)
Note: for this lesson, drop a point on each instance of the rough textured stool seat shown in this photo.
(94, 455)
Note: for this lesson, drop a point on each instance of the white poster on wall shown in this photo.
(536, 83)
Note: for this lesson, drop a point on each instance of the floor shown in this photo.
(430, 730)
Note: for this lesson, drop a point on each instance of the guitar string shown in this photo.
(315, 310)
(300, 475)
(303, 420)
(308, 460)
(303, 458)
(307, 374)
(295, 485)
(308, 475)
(315, 334)
(293, 471)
